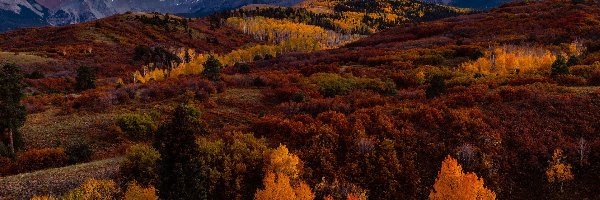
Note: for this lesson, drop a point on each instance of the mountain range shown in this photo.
(477, 4)
(27, 13)
(30, 13)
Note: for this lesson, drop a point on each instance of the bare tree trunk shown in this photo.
(11, 144)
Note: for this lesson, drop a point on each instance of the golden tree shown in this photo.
(558, 171)
(137, 192)
(452, 183)
(284, 162)
(278, 186)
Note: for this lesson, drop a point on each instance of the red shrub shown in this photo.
(93, 100)
(36, 159)
(6, 166)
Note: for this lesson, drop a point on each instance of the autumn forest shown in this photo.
(326, 99)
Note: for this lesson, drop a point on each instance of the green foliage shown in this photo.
(573, 60)
(179, 174)
(86, 78)
(79, 152)
(232, 166)
(212, 69)
(437, 87)
(331, 85)
(12, 113)
(139, 165)
(560, 66)
(136, 126)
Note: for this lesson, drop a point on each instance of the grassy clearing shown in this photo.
(58, 180)
(22, 58)
(50, 128)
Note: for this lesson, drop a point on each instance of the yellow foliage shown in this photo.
(44, 198)
(277, 186)
(282, 161)
(276, 31)
(558, 171)
(94, 189)
(511, 59)
(136, 192)
(453, 184)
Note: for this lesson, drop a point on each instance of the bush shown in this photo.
(139, 164)
(135, 126)
(93, 189)
(36, 159)
(79, 153)
(94, 101)
(136, 192)
(332, 84)
(436, 87)
(560, 66)
(86, 78)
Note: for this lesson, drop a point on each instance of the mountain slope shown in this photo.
(109, 43)
(21, 13)
(477, 4)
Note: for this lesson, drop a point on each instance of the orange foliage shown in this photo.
(511, 59)
(452, 183)
(136, 192)
(558, 171)
(278, 186)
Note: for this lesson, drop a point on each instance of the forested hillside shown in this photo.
(305, 103)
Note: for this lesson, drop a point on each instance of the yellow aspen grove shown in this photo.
(511, 60)
(453, 184)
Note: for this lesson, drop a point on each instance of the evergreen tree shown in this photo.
(436, 87)
(178, 168)
(560, 66)
(12, 113)
(212, 69)
(86, 78)
(573, 60)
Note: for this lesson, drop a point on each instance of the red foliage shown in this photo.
(36, 159)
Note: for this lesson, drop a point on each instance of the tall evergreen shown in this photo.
(178, 169)
(560, 66)
(86, 78)
(12, 113)
(436, 87)
(212, 69)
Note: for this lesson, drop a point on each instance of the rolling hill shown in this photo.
(512, 93)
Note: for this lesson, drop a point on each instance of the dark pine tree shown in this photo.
(560, 67)
(179, 168)
(12, 113)
(86, 78)
(212, 69)
(436, 88)
(573, 60)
